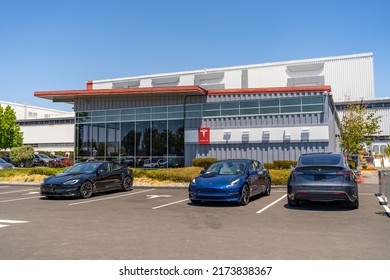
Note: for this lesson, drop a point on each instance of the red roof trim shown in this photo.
(269, 90)
(175, 89)
(120, 91)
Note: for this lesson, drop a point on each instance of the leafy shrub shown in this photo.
(284, 164)
(203, 162)
(269, 165)
(279, 177)
(22, 154)
(171, 174)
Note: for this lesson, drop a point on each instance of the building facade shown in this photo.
(170, 126)
(268, 111)
(44, 129)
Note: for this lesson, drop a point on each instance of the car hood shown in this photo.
(63, 177)
(217, 180)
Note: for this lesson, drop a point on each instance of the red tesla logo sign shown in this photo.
(204, 135)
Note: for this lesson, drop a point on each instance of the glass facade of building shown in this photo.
(154, 136)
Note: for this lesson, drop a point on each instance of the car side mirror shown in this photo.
(101, 171)
(202, 172)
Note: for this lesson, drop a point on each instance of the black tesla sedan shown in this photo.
(85, 179)
(322, 177)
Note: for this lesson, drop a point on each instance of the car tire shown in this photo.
(354, 204)
(245, 195)
(86, 189)
(267, 191)
(127, 184)
(292, 203)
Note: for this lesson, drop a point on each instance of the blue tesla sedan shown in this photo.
(234, 180)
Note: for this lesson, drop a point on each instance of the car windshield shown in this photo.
(227, 167)
(321, 159)
(43, 156)
(83, 167)
(2, 161)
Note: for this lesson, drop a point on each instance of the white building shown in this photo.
(43, 128)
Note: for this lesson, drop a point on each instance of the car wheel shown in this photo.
(267, 191)
(292, 203)
(127, 183)
(354, 204)
(86, 190)
(245, 195)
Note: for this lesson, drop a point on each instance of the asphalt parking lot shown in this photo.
(151, 223)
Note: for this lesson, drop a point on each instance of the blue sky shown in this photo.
(58, 45)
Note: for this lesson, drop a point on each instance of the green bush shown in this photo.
(284, 164)
(171, 174)
(203, 162)
(279, 177)
(269, 165)
(22, 154)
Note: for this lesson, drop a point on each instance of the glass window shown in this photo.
(113, 118)
(194, 114)
(312, 100)
(98, 113)
(83, 132)
(211, 106)
(290, 109)
(175, 115)
(230, 105)
(313, 108)
(128, 117)
(127, 138)
(159, 109)
(113, 112)
(175, 138)
(249, 104)
(142, 110)
(159, 116)
(142, 138)
(99, 119)
(269, 110)
(290, 101)
(193, 107)
(159, 138)
(83, 117)
(175, 108)
(128, 111)
(98, 139)
(230, 112)
(113, 139)
(269, 103)
(249, 111)
(214, 113)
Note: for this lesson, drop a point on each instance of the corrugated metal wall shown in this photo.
(262, 152)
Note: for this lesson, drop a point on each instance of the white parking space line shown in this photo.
(18, 191)
(13, 222)
(269, 205)
(161, 206)
(107, 198)
(16, 199)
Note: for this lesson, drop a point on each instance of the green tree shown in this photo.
(10, 134)
(357, 126)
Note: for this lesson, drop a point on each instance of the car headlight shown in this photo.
(234, 183)
(71, 182)
(1, 167)
(193, 181)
